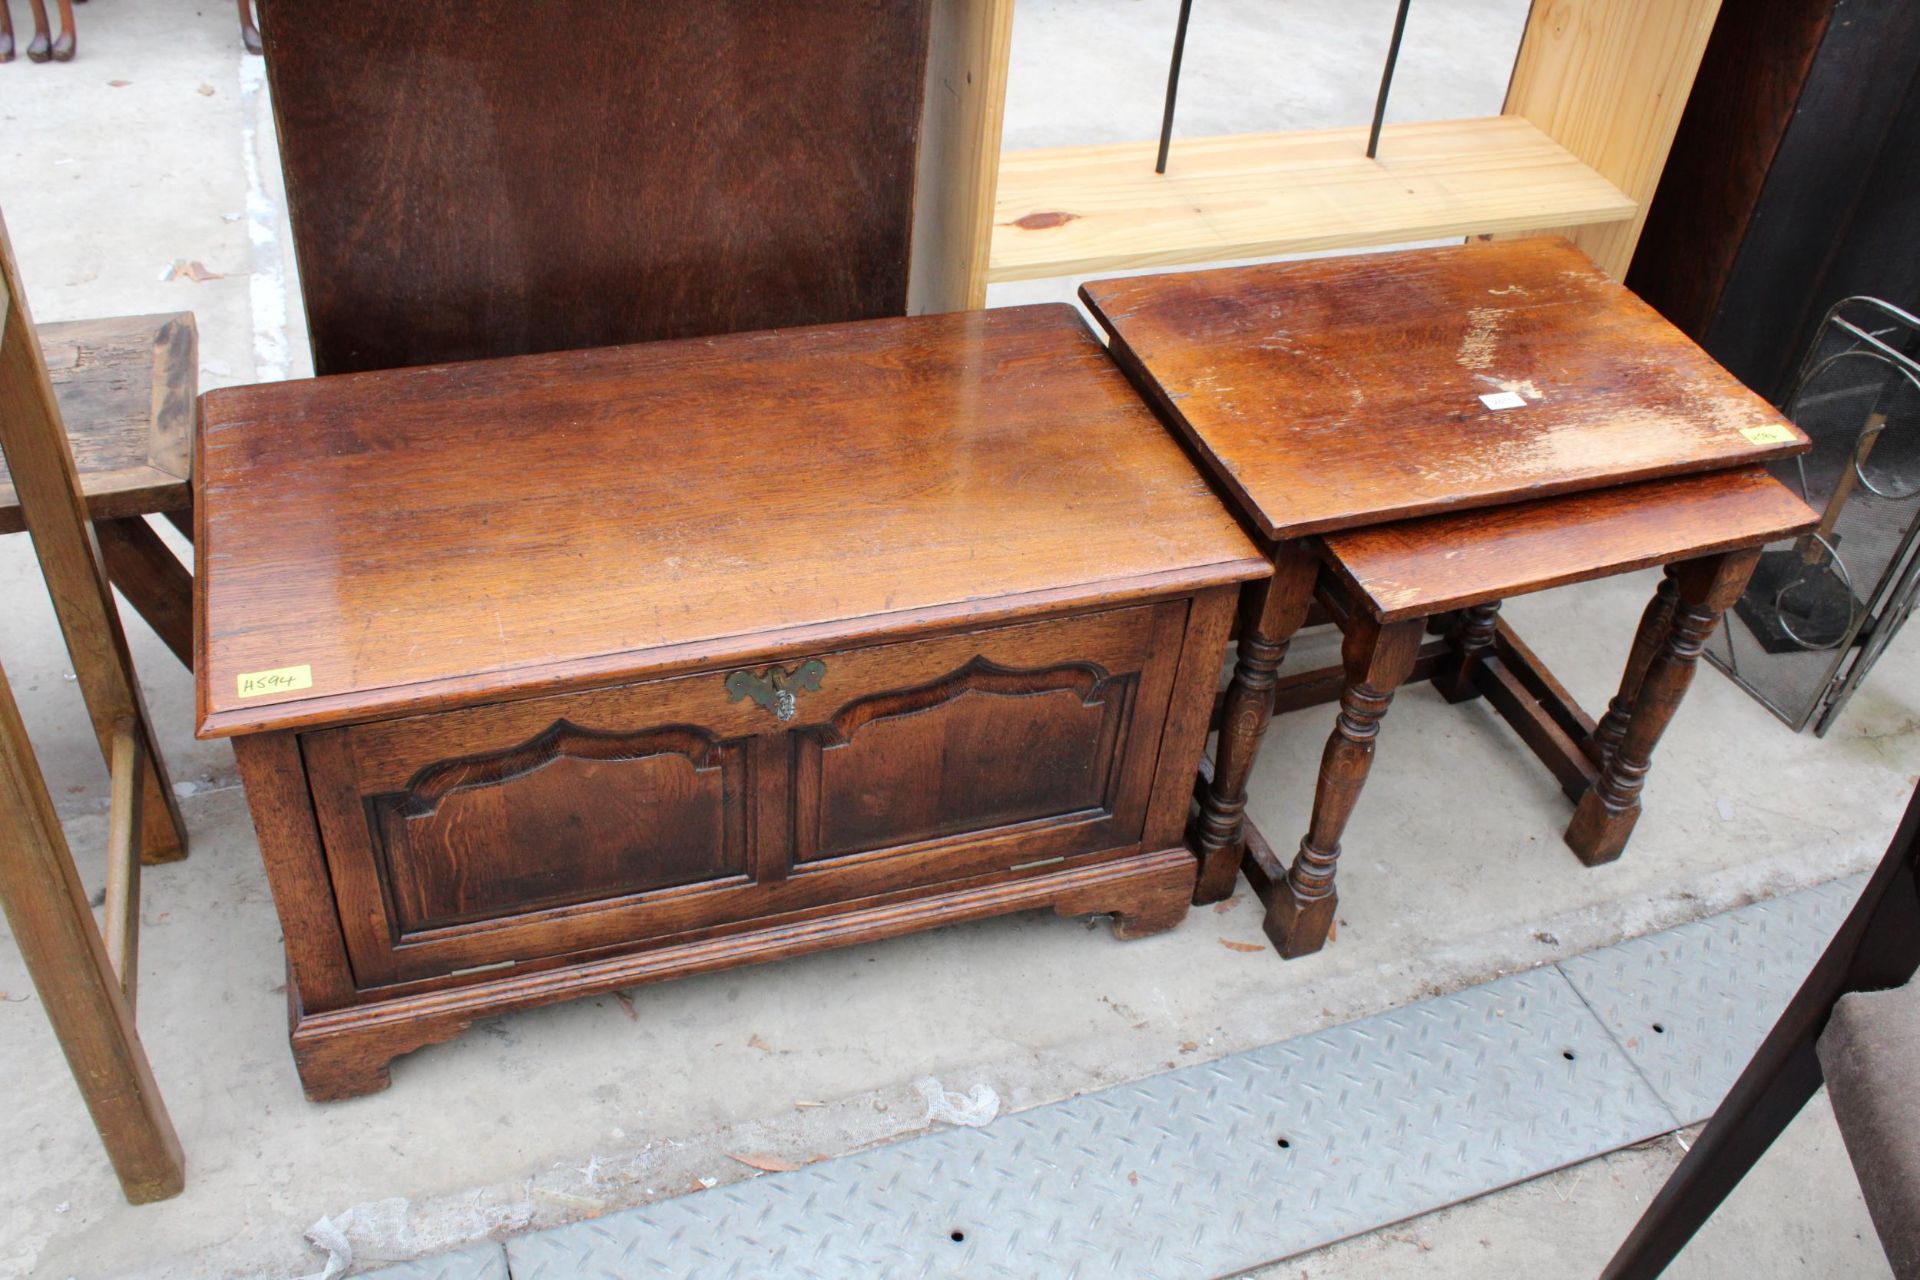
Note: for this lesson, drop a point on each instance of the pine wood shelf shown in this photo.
(1073, 210)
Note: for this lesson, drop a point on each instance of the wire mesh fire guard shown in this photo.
(1821, 609)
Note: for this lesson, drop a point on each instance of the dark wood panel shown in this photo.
(424, 538)
(277, 788)
(152, 579)
(387, 755)
(552, 825)
(1791, 183)
(984, 747)
(1340, 392)
(489, 179)
(1744, 96)
(346, 1052)
(569, 817)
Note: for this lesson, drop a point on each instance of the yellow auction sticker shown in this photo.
(254, 684)
(1777, 434)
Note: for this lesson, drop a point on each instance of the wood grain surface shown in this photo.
(34, 444)
(1101, 207)
(1346, 391)
(1432, 565)
(486, 179)
(346, 1052)
(1608, 79)
(1791, 184)
(549, 826)
(959, 153)
(47, 911)
(125, 386)
(1744, 99)
(424, 538)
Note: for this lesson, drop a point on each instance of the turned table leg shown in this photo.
(1377, 657)
(1472, 642)
(1646, 643)
(1270, 612)
(1703, 589)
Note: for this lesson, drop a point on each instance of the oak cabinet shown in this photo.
(553, 675)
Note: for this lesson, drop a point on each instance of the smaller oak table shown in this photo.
(552, 675)
(1351, 393)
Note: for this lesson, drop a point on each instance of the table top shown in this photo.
(416, 539)
(1417, 568)
(1340, 392)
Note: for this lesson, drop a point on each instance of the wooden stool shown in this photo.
(1384, 586)
(126, 388)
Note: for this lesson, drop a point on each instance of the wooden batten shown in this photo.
(121, 923)
(46, 908)
(1608, 80)
(959, 160)
(1075, 210)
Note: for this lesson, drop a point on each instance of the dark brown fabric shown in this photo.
(1870, 1054)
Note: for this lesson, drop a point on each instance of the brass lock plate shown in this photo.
(777, 689)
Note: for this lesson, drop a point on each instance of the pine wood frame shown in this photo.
(1596, 95)
(85, 974)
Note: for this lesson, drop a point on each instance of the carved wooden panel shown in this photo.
(983, 747)
(445, 854)
(570, 816)
(460, 842)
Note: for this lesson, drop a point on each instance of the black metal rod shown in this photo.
(1386, 82)
(1173, 84)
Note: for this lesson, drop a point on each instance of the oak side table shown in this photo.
(1349, 393)
(1387, 585)
(553, 675)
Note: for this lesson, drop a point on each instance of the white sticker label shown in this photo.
(279, 680)
(1504, 400)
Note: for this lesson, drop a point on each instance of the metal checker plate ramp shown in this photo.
(1202, 1171)
(486, 1261)
(1713, 988)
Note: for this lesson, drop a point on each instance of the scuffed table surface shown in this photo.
(1339, 392)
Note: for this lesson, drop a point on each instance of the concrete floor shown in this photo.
(137, 156)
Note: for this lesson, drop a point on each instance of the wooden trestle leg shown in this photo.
(40, 461)
(1271, 611)
(85, 981)
(1378, 658)
(1703, 590)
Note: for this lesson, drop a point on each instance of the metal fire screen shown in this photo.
(1822, 608)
